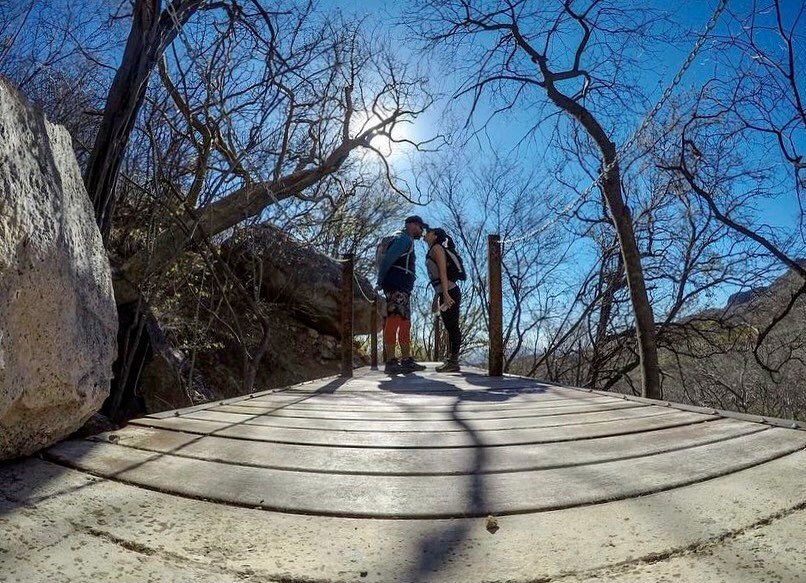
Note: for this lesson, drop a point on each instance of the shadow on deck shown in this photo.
(399, 474)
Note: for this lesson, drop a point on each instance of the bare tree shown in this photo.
(308, 111)
(257, 115)
(528, 49)
(497, 196)
(225, 151)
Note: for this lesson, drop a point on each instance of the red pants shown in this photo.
(396, 330)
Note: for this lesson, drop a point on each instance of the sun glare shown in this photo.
(389, 146)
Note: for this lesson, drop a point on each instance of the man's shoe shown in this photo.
(449, 366)
(393, 367)
(410, 364)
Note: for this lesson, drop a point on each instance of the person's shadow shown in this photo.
(436, 548)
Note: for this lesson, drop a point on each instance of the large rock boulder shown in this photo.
(298, 276)
(57, 313)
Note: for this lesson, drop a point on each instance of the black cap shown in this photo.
(416, 219)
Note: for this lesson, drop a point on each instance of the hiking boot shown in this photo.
(394, 367)
(410, 364)
(450, 365)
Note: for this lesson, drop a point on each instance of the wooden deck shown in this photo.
(394, 479)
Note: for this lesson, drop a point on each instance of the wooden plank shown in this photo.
(458, 423)
(466, 402)
(425, 439)
(481, 397)
(428, 496)
(398, 415)
(382, 401)
(428, 461)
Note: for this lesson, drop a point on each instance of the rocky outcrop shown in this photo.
(57, 312)
(296, 354)
(300, 302)
(298, 276)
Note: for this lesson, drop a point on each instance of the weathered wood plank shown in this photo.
(447, 414)
(427, 496)
(424, 461)
(426, 439)
(457, 423)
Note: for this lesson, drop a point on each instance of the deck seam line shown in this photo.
(436, 516)
(693, 422)
(428, 474)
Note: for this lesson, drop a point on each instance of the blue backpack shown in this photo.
(381, 249)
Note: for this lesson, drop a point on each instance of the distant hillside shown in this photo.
(711, 358)
(758, 305)
(714, 361)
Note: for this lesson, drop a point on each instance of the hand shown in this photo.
(447, 300)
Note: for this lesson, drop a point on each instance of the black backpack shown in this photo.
(453, 264)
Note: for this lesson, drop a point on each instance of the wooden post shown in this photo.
(373, 338)
(347, 315)
(383, 344)
(496, 358)
(437, 337)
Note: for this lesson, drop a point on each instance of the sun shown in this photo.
(389, 145)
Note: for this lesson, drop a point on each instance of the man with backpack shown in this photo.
(396, 264)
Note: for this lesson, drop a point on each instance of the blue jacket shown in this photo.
(396, 272)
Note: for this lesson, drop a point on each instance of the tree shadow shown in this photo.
(485, 388)
(436, 548)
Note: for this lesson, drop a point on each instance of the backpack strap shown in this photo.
(448, 252)
(455, 259)
(434, 282)
(405, 257)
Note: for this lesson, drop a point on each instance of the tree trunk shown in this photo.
(122, 104)
(611, 189)
(644, 317)
(151, 32)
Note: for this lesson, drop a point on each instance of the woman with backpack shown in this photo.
(444, 271)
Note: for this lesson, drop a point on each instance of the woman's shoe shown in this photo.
(451, 365)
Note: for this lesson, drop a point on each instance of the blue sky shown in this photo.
(655, 72)
(658, 70)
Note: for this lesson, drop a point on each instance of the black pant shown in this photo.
(450, 318)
